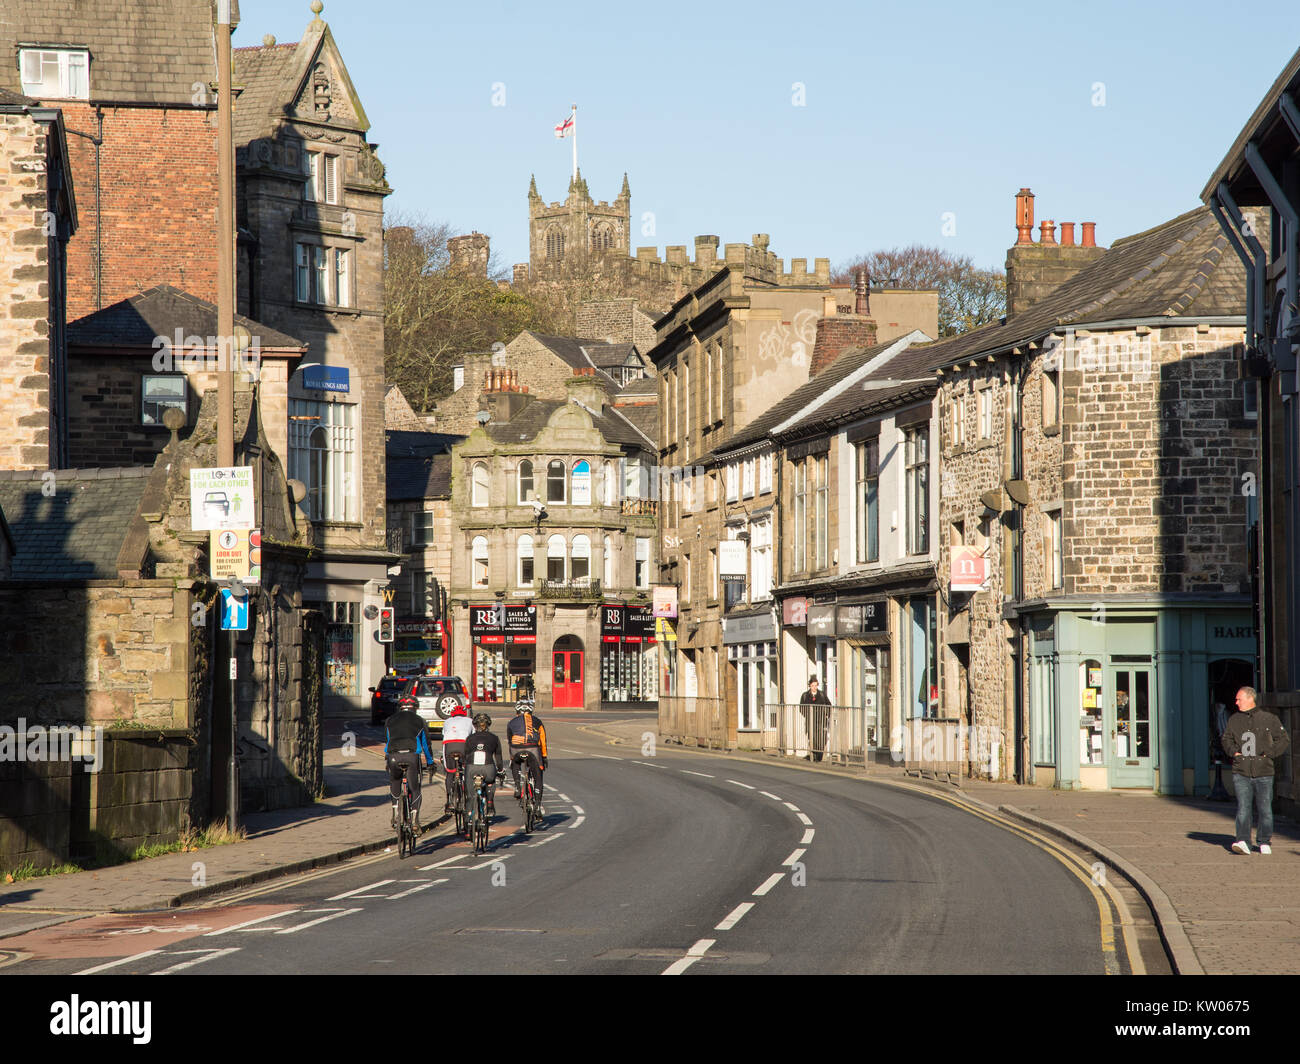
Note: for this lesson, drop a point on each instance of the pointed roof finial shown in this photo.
(625, 192)
(316, 8)
(532, 187)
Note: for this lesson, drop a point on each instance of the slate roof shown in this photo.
(1183, 268)
(913, 369)
(642, 386)
(261, 72)
(76, 533)
(580, 353)
(141, 51)
(533, 419)
(645, 416)
(159, 311)
(16, 99)
(421, 472)
(758, 429)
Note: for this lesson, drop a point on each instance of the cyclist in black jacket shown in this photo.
(406, 741)
(483, 757)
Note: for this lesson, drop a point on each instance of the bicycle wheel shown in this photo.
(405, 840)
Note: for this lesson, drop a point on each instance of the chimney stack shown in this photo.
(862, 291)
(1036, 269)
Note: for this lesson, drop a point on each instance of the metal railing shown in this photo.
(693, 721)
(570, 589)
(845, 735)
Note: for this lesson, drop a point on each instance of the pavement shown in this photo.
(1219, 913)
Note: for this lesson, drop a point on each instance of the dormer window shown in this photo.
(55, 73)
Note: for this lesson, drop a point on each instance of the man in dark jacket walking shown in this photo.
(816, 703)
(1253, 739)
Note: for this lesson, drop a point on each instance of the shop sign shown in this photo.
(639, 625)
(732, 559)
(821, 621)
(760, 628)
(861, 618)
(665, 601)
(611, 623)
(794, 612)
(665, 630)
(325, 378)
(493, 625)
(970, 570)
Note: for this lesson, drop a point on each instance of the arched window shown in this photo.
(580, 491)
(602, 236)
(608, 485)
(524, 555)
(525, 482)
(555, 559)
(479, 552)
(609, 562)
(580, 563)
(555, 481)
(480, 484)
(555, 243)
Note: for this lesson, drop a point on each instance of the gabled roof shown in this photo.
(76, 533)
(273, 78)
(160, 311)
(839, 373)
(142, 51)
(580, 353)
(645, 416)
(1182, 268)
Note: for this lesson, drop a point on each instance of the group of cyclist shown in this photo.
(469, 749)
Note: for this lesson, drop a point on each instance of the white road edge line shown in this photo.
(803, 819)
(807, 837)
(605, 757)
(792, 807)
(745, 785)
(212, 955)
(769, 883)
(579, 810)
(774, 797)
(690, 773)
(372, 886)
(579, 821)
(248, 923)
(318, 920)
(793, 858)
(733, 917)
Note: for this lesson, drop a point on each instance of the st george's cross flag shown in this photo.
(565, 127)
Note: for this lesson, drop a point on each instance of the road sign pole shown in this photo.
(232, 783)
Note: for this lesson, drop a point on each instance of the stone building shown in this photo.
(1093, 453)
(553, 549)
(157, 351)
(310, 264)
(38, 204)
(1253, 194)
(749, 333)
(140, 114)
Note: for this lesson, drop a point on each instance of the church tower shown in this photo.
(569, 238)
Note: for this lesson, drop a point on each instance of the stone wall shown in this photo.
(25, 309)
(616, 321)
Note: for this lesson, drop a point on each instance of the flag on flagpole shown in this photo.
(565, 127)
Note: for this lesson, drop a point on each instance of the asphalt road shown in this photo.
(677, 863)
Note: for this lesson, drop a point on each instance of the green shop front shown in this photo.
(1122, 694)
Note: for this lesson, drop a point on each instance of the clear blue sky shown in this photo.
(911, 111)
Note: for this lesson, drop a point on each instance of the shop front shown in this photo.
(420, 646)
(1129, 699)
(629, 659)
(863, 631)
(750, 641)
(504, 639)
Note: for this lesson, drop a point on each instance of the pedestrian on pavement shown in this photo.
(820, 723)
(1253, 739)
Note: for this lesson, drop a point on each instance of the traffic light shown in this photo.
(386, 624)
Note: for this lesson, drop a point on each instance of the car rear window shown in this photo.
(389, 683)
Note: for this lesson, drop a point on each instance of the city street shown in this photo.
(678, 862)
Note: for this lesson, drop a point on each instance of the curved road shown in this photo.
(679, 863)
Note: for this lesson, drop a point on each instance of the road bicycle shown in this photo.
(478, 816)
(405, 822)
(528, 798)
(456, 795)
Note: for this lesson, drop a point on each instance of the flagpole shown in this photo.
(575, 142)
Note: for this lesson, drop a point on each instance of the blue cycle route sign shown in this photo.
(234, 612)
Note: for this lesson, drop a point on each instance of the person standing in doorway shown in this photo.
(1253, 739)
(813, 700)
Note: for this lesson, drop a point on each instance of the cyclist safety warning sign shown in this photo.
(221, 498)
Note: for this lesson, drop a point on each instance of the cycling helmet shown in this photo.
(482, 719)
(524, 705)
(459, 711)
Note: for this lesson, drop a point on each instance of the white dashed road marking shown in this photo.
(733, 918)
(318, 920)
(794, 857)
(769, 883)
(250, 923)
(578, 822)
(803, 819)
(692, 955)
(211, 955)
(354, 893)
(690, 773)
(769, 794)
(413, 890)
(745, 785)
(807, 837)
(792, 807)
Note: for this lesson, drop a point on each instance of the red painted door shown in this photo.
(566, 682)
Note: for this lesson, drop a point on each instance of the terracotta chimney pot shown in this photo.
(1024, 217)
(1047, 233)
(1067, 234)
(1089, 235)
